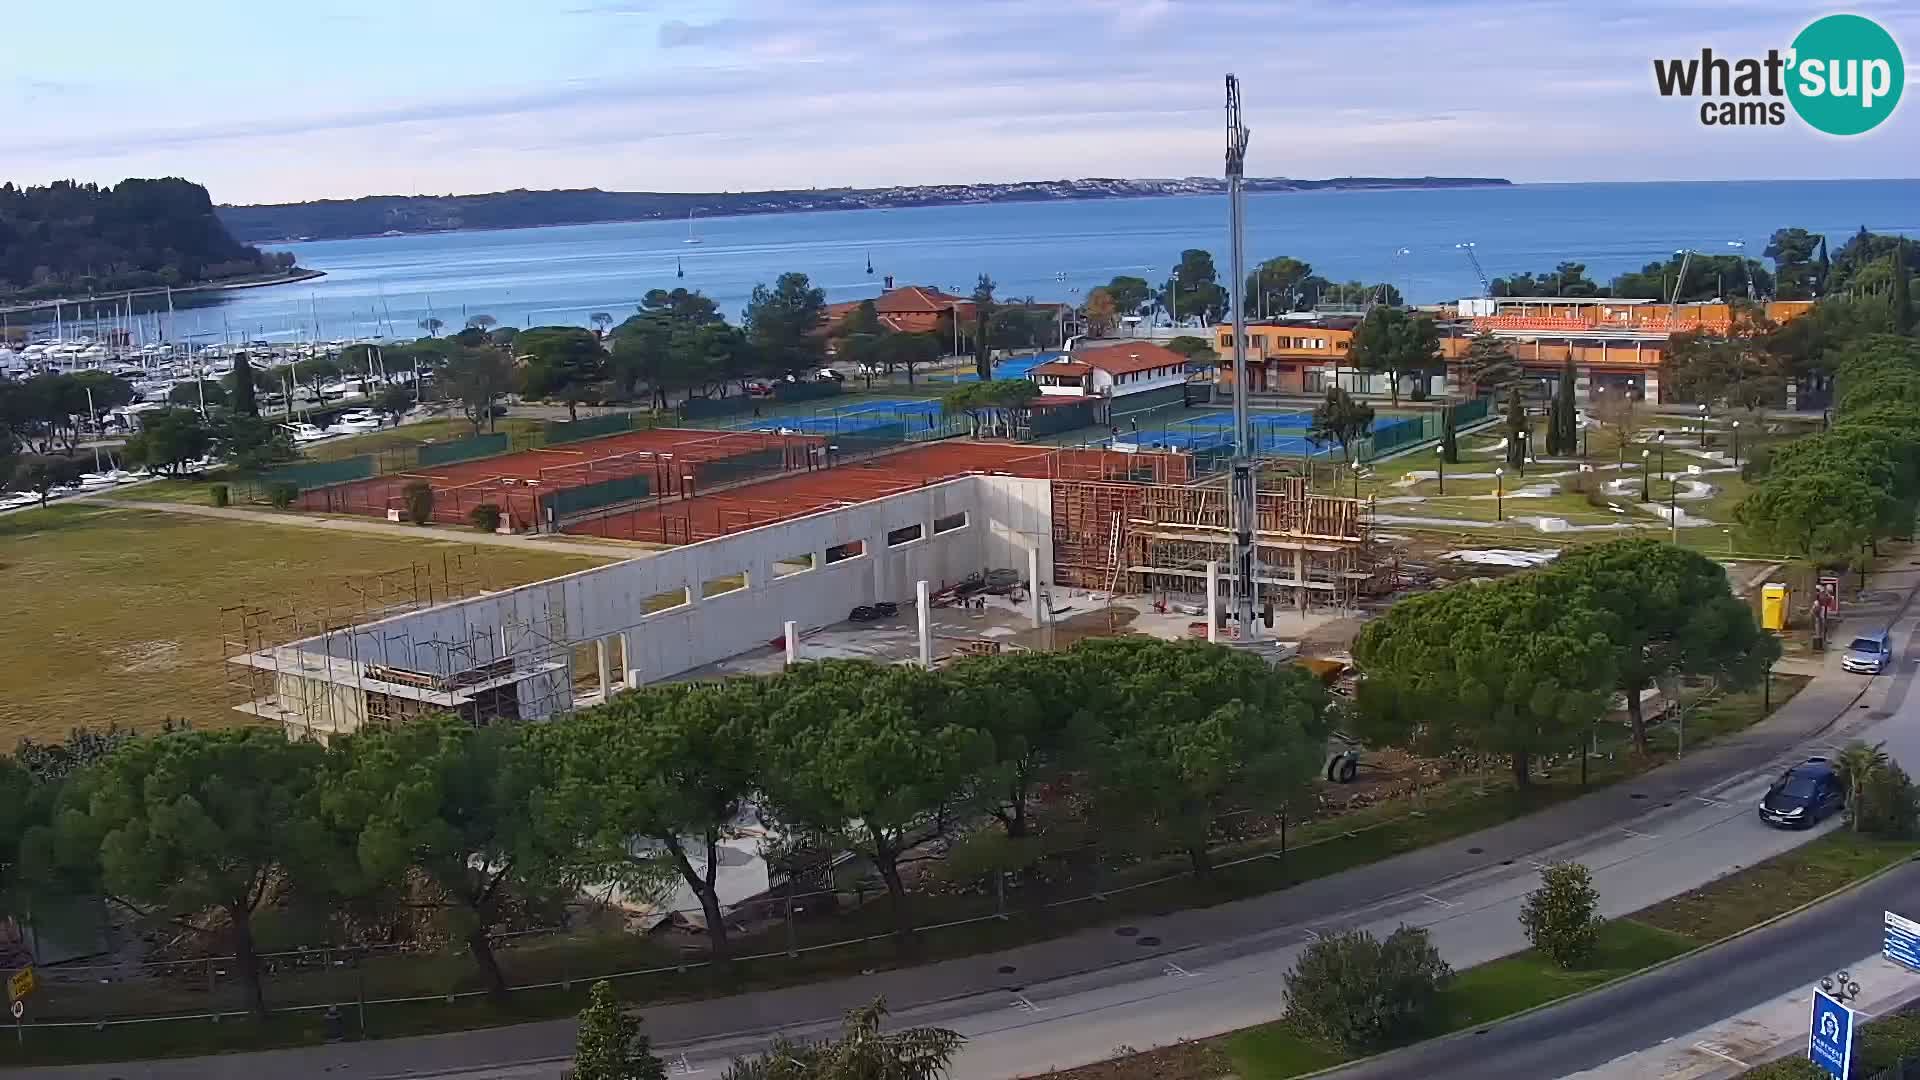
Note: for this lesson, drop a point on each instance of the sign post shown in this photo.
(19, 985)
(1830, 1037)
(1901, 941)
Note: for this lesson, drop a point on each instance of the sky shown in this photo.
(270, 102)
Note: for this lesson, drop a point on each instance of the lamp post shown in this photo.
(1736, 444)
(1673, 515)
(1524, 440)
(1728, 533)
(1586, 479)
(1356, 480)
(1499, 495)
(1660, 440)
(1442, 452)
(1646, 478)
(1703, 427)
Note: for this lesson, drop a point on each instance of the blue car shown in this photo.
(1804, 795)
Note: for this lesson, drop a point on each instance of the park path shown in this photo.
(611, 551)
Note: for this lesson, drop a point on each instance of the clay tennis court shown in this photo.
(703, 517)
(667, 461)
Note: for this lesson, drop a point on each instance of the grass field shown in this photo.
(112, 615)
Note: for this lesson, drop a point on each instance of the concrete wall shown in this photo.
(1005, 516)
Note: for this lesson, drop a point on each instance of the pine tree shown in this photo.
(1569, 415)
(1553, 427)
(1902, 291)
(610, 1044)
(244, 402)
(1449, 437)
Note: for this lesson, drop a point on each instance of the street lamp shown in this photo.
(1442, 451)
(1356, 480)
(1586, 478)
(1646, 478)
(1673, 515)
(1660, 439)
(1524, 433)
(1499, 495)
(1736, 444)
(1703, 427)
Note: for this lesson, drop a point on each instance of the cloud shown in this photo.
(679, 34)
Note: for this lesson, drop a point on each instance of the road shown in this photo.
(1190, 974)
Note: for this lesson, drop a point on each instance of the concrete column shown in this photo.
(626, 658)
(793, 642)
(1033, 585)
(1213, 600)
(1300, 578)
(600, 662)
(923, 606)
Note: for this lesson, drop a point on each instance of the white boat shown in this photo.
(691, 239)
(14, 500)
(307, 433)
(357, 422)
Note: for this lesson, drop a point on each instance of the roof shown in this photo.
(916, 298)
(1060, 367)
(1130, 357)
(910, 309)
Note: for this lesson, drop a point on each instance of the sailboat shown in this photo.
(869, 262)
(691, 239)
(678, 270)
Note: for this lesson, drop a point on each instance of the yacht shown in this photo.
(307, 433)
(357, 421)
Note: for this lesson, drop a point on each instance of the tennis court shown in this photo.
(1274, 433)
(1015, 367)
(657, 462)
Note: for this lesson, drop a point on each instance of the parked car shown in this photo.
(1804, 794)
(759, 388)
(827, 374)
(1868, 654)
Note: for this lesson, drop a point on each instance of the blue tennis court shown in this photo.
(913, 406)
(1274, 433)
(1015, 367)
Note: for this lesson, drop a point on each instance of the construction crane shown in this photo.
(1673, 301)
(1241, 482)
(1486, 287)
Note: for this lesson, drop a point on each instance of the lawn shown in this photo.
(114, 615)
(1775, 886)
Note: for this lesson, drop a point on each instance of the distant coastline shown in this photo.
(297, 274)
(379, 215)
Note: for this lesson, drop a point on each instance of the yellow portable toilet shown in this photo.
(1773, 606)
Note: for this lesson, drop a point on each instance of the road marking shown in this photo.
(1711, 802)
(1720, 1052)
(1536, 864)
(1312, 934)
(1641, 835)
(1432, 899)
(1177, 971)
(1020, 1002)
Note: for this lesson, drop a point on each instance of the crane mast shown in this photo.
(1241, 479)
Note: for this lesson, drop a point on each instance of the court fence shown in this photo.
(306, 475)
(559, 432)
(467, 449)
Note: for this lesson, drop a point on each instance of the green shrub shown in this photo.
(419, 498)
(1363, 994)
(1559, 916)
(1787, 1068)
(1889, 803)
(485, 517)
(222, 496)
(282, 495)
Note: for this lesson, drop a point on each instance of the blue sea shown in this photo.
(1050, 251)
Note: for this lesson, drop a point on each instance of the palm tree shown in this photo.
(1858, 763)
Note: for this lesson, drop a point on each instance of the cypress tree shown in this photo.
(1569, 415)
(244, 402)
(1516, 423)
(1902, 291)
(610, 1043)
(1449, 437)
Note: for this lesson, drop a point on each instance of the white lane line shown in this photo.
(1312, 934)
(683, 1067)
(1432, 899)
(1719, 1052)
(1020, 1002)
(1711, 802)
(1177, 971)
(1641, 835)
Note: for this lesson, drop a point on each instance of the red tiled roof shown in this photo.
(1133, 356)
(1060, 367)
(917, 298)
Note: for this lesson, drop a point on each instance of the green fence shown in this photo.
(705, 408)
(569, 501)
(312, 474)
(593, 427)
(805, 391)
(1472, 412)
(1394, 434)
(477, 446)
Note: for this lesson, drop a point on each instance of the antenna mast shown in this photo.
(1241, 481)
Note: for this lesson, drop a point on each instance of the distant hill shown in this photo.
(69, 239)
(378, 214)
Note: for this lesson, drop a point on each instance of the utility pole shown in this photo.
(1241, 472)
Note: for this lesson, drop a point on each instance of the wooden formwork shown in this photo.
(1143, 538)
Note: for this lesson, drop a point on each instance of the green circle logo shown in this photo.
(1846, 74)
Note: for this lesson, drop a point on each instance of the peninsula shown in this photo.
(375, 215)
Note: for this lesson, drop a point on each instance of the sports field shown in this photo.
(1274, 433)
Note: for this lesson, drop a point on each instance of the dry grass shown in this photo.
(112, 615)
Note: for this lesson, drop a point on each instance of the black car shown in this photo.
(1803, 795)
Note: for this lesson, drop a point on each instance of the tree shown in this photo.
(168, 439)
(1738, 366)
(863, 1052)
(478, 379)
(431, 325)
(1561, 917)
(1517, 430)
(245, 399)
(561, 362)
(1024, 324)
(1129, 293)
(1280, 285)
(1198, 350)
(1100, 312)
(41, 475)
(1195, 288)
(1517, 667)
(192, 394)
(602, 322)
(783, 323)
(1673, 614)
(1449, 437)
(867, 759)
(909, 351)
(610, 1044)
(394, 401)
(197, 820)
(1339, 418)
(1566, 416)
(1194, 729)
(1814, 513)
(1363, 994)
(1858, 763)
(984, 310)
(448, 802)
(672, 765)
(1029, 703)
(1392, 342)
(482, 323)
(1490, 364)
(1796, 274)
(1902, 296)
(1889, 804)
(979, 400)
(250, 443)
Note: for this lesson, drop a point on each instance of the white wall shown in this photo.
(1103, 383)
(1006, 516)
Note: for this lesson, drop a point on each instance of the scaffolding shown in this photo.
(1311, 550)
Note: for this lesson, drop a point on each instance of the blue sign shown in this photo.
(1830, 1042)
(1902, 942)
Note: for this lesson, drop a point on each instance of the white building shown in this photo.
(1112, 371)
